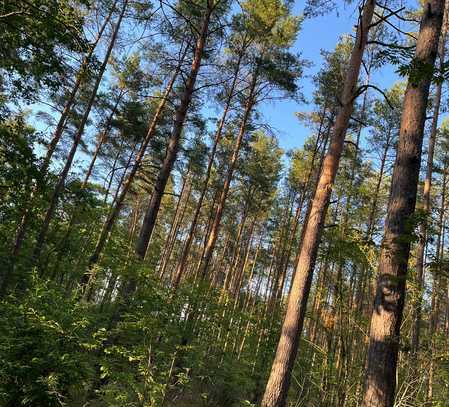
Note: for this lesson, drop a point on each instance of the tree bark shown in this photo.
(210, 245)
(176, 224)
(173, 143)
(380, 382)
(115, 210)
(71, 99)
(434, 326)
(279, 380)
(319, 149)
(23, 226)
(186, 249)
(110, 176)
(101, 141)
(173, 229)
(420, 257)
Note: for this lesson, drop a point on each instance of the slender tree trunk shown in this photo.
(77, 138)
(363, 279)
(71, 99)
(87, 284)
(279, 380)
(173, 227)
(309, 181)
(210, 246)
(179, 219)
(115, 210)
(386, 319)
(124, 175)
(285, 239)
(373, 210)
(112, 283)
(194, 270)
(112, 172)
(229, 275)
(436, 287)
(23, 226)
(173, 143)
(101, 141)
(186, 250)
(238, 283)
(420, 258)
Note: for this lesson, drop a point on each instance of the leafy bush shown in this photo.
(45, 348)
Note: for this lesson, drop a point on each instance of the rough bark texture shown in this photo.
(279, 380)
(152, 211)
(426, 204)
(380, 382)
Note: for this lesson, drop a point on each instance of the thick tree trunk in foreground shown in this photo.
(173, 143)
(279, 380)
(76, 140)
(420, 260)
(386, 319)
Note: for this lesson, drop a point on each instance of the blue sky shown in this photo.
(316, 34)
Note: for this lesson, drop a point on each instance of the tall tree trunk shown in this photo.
(386, 319)
(186, 249)
(173, 143)
(236, 255)
(123, 175)
(24, 222)
(71, 99)
(173, 228)
(210, 245)
(321, 144)
(285, 239)
(90, 288)
(313, 186)
(101, 141)
(238, 282)
(110, 176)
(179, 218)
(201, 245)
(434, 327)
(363, 278)
(373, 210)
(77, 138)
(115, 210)
(426, 205)
(279, 380)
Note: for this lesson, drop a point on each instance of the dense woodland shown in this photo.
(158, 246)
